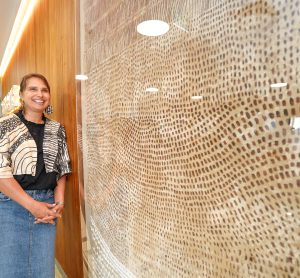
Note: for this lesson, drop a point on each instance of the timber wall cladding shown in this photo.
(183, 188)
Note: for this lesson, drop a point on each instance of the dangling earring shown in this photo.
(49, 109)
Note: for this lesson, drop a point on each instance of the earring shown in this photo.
(49, 109)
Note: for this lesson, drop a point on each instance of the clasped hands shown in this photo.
(46, 213)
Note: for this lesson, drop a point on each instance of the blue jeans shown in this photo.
(26, 249)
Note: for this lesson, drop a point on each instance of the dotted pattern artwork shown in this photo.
(202, 178)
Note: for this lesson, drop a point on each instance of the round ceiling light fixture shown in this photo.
(153, 28)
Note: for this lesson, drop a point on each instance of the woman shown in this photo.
(34, 162)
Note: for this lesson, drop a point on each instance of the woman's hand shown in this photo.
(57, 209)
(43, 212)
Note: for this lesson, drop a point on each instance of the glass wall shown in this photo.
(191, 139)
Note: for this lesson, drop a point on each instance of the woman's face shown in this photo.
(36, 96)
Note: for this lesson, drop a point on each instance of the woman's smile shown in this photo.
(36, 96)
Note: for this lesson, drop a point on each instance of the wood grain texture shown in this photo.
(48, 47)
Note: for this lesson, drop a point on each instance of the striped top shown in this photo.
(18, 150)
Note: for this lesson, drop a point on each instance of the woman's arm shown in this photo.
(11, 188)
(59, 191)
(59, 195)
(64, 170)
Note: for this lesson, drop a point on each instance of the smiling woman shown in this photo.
(35, 96)
(34, 162)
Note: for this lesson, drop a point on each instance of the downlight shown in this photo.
(196, 97)
(278, 85)
(81, 77)
(152, 90)
(153, 28)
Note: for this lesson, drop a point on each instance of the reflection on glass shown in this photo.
(153, 28)
(196, 97)
(295, 123)
(278, 85)
(180, 27)
(81, 77)
(152, 90)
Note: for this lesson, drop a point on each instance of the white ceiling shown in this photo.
(8, 12)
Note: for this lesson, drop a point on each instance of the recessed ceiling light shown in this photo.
(81, 77)
(278, 85)
(196, 97)
(152, 90)
(153, 28)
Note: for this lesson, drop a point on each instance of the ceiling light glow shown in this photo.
(152, 90)
(295, 123)
(153, 28)
(196, 97)
(278, 85)
(24, 13)
(81, 77)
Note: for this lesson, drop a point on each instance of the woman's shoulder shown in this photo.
(8, 124)
(54, 126)
(8, 118)
(53, 122)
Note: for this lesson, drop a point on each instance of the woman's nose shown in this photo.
(39, 92)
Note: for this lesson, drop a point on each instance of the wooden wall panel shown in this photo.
(48, 47)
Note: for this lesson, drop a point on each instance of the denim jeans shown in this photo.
(26, 249)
